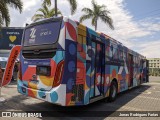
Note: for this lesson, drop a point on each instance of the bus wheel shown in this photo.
(113, 91)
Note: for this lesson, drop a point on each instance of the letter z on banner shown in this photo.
(7, 76)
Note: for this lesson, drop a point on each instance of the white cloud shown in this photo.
(28, 4)
(29, 9)
(151, 26)
(125, 27)
(150, 49)
(126, 30)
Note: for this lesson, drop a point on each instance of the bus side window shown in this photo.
(111, 52)
(127, 58)
(80, 43)
(134, 61)
(120, 55)
(107, 52)
(124, 55)
(115, 55)
(139, 61)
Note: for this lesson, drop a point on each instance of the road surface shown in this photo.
(143, 98)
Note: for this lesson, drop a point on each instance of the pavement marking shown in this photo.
(152, 98)
(125, 107)
(153, 83)
(144, 92)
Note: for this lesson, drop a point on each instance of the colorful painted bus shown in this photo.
(66, 63)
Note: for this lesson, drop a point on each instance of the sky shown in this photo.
(136, 22)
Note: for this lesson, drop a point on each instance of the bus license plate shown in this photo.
(43, 70)
(34, 81)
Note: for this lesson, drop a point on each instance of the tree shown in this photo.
(98, 12)
(45, 13)
(4, 11)
(47, 2)
(73, 4)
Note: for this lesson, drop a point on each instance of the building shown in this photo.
(154, 62)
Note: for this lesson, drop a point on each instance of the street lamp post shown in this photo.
(56, 8)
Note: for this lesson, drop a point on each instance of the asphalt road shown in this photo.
(143, 98)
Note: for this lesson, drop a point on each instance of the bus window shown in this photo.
(111, 52)
(107, 53)
(125, 56)
(115, 54)
(80, 43)
(47, 33)
(120, 55)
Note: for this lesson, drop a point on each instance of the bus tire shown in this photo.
(112, 91)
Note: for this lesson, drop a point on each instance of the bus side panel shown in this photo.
(70, 67)
(116, 66)
(136, 70)
(61, 40)
(107, 69)
(82, 65)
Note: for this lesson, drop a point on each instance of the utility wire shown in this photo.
(148, 13)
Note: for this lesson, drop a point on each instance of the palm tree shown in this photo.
(4, 11)
(45, 13)
(47, 2)
(73, 4)
(98, 12)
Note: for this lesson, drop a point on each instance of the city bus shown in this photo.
(66, 63)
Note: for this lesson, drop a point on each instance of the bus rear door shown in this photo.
(97, 68)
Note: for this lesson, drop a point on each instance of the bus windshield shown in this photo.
(46, 33)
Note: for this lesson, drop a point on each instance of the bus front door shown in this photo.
(97, 69)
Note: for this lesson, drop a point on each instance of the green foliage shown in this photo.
(97, 12)
(47, 2)
(4, 10)
(44, 12)
(73, 4)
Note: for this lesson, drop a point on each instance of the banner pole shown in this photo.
(0, 91)
(1, 98)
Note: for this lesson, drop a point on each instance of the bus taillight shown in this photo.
(58, 74)
(20, 71)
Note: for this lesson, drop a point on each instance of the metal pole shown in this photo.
(56, 8)
(0, 91)
(1, 98)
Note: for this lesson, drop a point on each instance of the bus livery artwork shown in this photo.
(66, 63)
